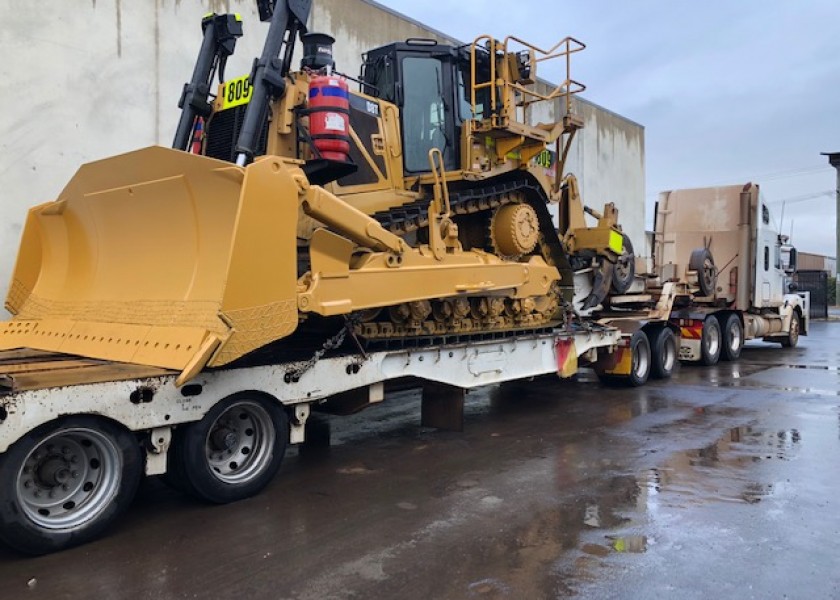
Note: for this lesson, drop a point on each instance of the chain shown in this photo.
(331, 343)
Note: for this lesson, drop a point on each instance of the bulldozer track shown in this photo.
(415, 215)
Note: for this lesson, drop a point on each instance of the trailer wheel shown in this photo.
(65, 483)
(625, 267)
(234, 451)
(640, 364)
(733, 337)
(663, 354)
(710, 342)
(793, 332)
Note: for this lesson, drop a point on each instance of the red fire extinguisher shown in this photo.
(329, 117)
(198, 136)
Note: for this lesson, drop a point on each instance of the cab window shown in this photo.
(423, 112)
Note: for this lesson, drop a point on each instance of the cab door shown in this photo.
(769, 275)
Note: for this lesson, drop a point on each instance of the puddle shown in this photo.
(780, 388)
(815, 367)
(746, 442)
(630, 543)
(356, 469)
(649, 404)
(721, 472)
(819, 380)
(488, 587)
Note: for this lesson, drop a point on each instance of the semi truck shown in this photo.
(721, 276)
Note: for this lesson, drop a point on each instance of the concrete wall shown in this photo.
(86, 79)
(609, 159)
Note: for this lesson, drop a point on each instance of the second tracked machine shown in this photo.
(181, 311)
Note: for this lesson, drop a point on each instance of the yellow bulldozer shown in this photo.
(291, 208)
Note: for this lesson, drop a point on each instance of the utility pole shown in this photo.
(834, 161)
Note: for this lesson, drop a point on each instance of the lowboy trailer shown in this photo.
(76, 435)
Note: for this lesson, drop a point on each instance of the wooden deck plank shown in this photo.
(79, 374)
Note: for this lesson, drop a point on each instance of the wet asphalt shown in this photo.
(722, 482)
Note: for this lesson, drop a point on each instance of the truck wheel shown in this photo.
(663, 354)
(793, 332)
(234, 451)
(733, 337)
(710, 342)
(625, 268)
(64, 483)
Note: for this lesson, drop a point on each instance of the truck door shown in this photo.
(769, 276)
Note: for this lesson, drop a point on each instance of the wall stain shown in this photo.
(157, 70)
(119, 27)
(216, 6)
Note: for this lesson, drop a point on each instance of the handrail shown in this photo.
(476, 86)
(566, 89)
(441, 189)
(439, 207)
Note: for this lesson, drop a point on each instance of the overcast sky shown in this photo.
(728, 91)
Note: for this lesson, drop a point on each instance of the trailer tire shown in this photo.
(664, 353)
(793, 331)
(733, 337)
(710, 342)
(234, 451)
(640, 364)
(66, 482)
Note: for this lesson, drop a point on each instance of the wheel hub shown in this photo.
(53, 472)
(224, 439)
(240, 443)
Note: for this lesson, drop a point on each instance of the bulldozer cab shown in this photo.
(422, 78)
(473, 101)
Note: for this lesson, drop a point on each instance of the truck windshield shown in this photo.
(423, 112)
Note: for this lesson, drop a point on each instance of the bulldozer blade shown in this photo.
(162, 258)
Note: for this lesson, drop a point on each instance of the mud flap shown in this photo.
(567, 358)
(619, 362)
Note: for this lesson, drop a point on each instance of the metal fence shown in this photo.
(815, 282)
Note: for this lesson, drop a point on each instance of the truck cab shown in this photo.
(772, 273)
